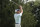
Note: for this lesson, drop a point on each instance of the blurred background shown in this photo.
(31, 13)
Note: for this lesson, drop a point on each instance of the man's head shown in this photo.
(17, 11)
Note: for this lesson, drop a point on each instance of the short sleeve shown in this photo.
(20, 14)
(14, 15)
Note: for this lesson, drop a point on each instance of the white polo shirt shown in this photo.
(17, 18)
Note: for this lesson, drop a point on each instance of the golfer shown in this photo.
(17, 16)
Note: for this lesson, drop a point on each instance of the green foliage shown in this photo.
(7, 13)
(28, 19)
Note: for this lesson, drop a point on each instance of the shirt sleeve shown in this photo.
(20, 14)
(14, 15)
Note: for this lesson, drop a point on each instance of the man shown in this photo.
(17, 16)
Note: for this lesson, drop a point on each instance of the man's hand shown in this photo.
(21, 9)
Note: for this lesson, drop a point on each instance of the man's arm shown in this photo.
(21, 9)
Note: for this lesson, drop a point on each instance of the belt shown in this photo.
(16, 23)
